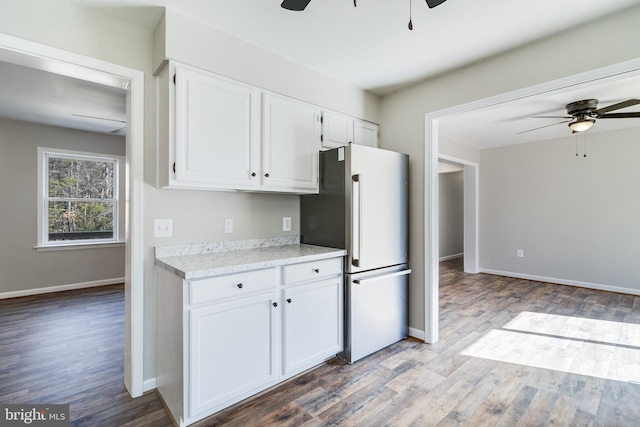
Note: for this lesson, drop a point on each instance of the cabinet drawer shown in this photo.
(312, 270)
(231, 285)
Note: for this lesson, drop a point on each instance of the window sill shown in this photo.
(74, 246)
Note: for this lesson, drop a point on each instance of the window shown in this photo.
(78, 198)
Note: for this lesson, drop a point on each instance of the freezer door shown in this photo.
(376, 311)
(378, 210)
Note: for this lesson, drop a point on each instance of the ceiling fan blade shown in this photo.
(434, 3)
(618, 106)
(620, 116)
(552, 117)
(296, 5)
(546, 126)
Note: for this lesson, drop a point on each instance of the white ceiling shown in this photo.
(368, 46)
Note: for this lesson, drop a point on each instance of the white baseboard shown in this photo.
(416, 333)
(448, 257)
(554, 280)
(149, 384)
(49, 289)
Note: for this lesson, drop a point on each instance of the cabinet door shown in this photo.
(290, 145)
(365, 133)
(337, 130)
(313, 324)
(217, 131)
(232, 351)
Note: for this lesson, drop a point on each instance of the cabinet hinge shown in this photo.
(321, 119)
(321, 138)
(174, 79)
(174, 167)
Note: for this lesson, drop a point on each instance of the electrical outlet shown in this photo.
(520, 253)
(163, 228)
(286, 223)
(228, 226)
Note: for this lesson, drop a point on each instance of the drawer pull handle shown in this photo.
(240, 285)
(289, 300)
(275, 304)
(317, 270)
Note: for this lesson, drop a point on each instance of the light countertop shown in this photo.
(195, 266)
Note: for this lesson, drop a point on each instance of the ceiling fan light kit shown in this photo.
(582, 124)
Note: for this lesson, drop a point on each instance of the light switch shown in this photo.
(163, 228)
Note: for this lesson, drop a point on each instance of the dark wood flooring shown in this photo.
(511, 353)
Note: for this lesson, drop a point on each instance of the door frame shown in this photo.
(431, 155)
(47, 58)
(471, 176)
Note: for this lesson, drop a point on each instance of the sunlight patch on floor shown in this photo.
(597, 348)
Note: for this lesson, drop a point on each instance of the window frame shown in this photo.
(43, 242)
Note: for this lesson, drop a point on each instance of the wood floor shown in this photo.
(511, 353)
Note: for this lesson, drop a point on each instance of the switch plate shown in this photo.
(520, 253)
(286, 223)
(163, 228)
(228, 225)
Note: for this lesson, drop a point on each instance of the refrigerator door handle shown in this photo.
(356, 209)
(381, 276)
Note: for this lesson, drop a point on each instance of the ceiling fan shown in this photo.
(299, 5)
(581, 115)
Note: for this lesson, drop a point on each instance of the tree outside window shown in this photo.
(79, 197)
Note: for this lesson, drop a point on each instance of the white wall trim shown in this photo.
(448, 257)
(47, 58)
(556, 281)
(612, 72)
(150, 384)
(61, 288)
(416, 333)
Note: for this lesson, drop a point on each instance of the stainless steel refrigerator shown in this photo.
(362, 206)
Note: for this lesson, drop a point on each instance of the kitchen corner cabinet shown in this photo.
(365, 133)
(216, 133)
(221, 339)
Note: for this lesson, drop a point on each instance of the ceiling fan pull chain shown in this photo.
(577, 136)
(584, 142)
(410, 23)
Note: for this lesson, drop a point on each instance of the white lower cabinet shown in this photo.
(312, 324)
(224, 338)
(246, 360)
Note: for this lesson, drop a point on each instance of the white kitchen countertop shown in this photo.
(195, 266)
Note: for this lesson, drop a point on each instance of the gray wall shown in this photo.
(451, 213)
(575, 218)
(24, 268)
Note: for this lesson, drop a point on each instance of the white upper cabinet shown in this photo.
(290, 136)
(217, 131)
(337, 130)
(365, 133)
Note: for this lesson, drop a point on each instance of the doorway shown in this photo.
(432, 156)
(41, 57)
